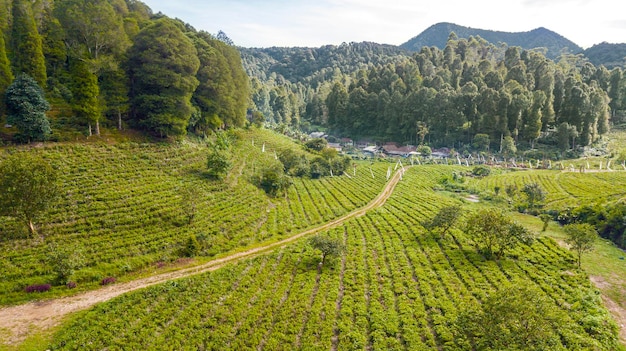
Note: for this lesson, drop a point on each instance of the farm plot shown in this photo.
(394, 288)
(122, 209)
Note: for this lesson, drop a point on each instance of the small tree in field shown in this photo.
(581, 237)
(493, 233)
(445, 219)
(517, 317)
(28, 186)
(328, 246)
(534, 194)
(218, 164)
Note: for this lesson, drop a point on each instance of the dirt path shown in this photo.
(18, 322)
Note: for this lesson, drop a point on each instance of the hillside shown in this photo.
(437, 35)
(396, 287)
(124, 209)
(609, 55)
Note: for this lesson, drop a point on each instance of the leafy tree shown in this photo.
(581, 237)
(424, 150)
(274, 181)
(258, 119)
(508, 147)
(481, 142)
(189, 202)
(85, 91)
(192, 247)
(316, 144)
(26, 46)
(26, 108)
(64, 260)
(218, 164)
(493, 233)
(516, 317)
(534, 194)
(162, 67)
(328, 246)
(223, 87)
(94, 31)
(445, 219)
(565, 133)
(28, 187)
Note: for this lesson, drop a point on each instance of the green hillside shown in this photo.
(123, 208)
(396, 287)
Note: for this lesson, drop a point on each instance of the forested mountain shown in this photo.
(437, 35)
(444, 97)
(609, 55)
(118, 63)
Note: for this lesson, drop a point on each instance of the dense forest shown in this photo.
(118, 63)
(115, 62)
(444, 97)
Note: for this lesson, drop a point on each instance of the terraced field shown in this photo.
(122, 208)
(394, 288)
(564, 189)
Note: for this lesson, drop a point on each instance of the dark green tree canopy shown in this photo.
(26, 108)
(162, 66)
(26, 44)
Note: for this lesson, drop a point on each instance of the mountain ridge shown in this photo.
(438, 34)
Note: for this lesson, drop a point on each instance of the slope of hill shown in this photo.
(128, 210)
(607, 54)
(396, 286)
(437, 35)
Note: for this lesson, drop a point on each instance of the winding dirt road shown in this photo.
(18, 322)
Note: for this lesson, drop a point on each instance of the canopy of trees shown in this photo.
(116, 62)
(511, 98)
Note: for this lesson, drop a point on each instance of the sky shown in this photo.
(314, 23)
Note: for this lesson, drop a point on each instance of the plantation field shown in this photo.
(395, 287)
(122, 211)
(563, 189)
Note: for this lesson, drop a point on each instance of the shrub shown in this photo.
(71, 285)
(107, 281)
(38, 288)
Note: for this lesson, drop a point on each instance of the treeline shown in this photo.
(446, 97)
(117, 62)
(284, 80)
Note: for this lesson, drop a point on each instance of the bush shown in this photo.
(38, 288)
(481, 171)
(71, 285)
(107, 281)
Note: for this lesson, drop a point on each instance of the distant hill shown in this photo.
(437, 35)
(609, 55)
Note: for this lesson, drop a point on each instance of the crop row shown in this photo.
(396, 287)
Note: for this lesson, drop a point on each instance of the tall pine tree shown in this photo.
(26, 47)
(85, 95)
(5, 73)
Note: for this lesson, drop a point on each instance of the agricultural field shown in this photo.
(563, 188)
(122, 211)
(395, 287)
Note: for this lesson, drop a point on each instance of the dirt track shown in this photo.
(18, 322)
